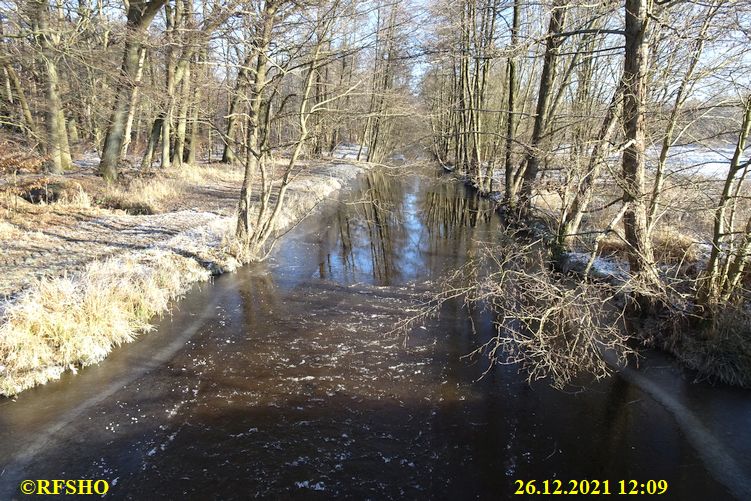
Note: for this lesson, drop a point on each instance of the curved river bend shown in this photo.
(280, 381)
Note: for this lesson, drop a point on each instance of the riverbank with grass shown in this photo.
(85, 266)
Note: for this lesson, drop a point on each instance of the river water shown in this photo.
(284, 380)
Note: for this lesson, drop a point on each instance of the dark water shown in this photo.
(282, 381)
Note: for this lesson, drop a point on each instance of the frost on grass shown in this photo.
(303, 196)
(206, 244)
(64, 322)
(61, 323)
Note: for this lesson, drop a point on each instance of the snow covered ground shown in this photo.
(349, 151)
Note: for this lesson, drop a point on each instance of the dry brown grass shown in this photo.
(8, 230)
(14, 157)
(612, 245)
(136, 192)
(548, 200)
(670, 247)
(148, 194)
(61, 323)
(141, 196)
(200, 174)
(46, 190)
(66, 322)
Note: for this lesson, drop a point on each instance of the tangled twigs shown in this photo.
(550, 325)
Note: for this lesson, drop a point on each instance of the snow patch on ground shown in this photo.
(306, 193)
(349, 151)
(615, 272)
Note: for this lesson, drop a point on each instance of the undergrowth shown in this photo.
(553, 327)
(719, 349)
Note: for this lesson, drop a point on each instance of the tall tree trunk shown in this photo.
(572, 216)
(509, 195)
(191, 155)
(29, 125)
(532, 160)
(72, 125)
(132, 108)
(258, 87)
(715, 281)
(140, 15)
(680, 98)
(482, 65)
(230, 147)
(156, 132)
(167, 137)
(57, 135)
(182, 119)
(635, 69)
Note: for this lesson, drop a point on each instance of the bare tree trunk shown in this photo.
(192, 151)
(243, 230)
(57, 134)
(182, 119)
(230, 154)
(173, 18)
(680, 99)
(266, 224)
(532, 161)
(572, 216)
(133, 102)
(482, 64)
(29, 126)
(509, 195)
(377, 124)
(737, 265)
(715, 284)
(635, 69)
(156, 132)
(8, 90)
(140, 15)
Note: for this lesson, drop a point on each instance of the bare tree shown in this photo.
(641, 257)
(140, 14)
(58, 148)
(529, 170)
(731, 246)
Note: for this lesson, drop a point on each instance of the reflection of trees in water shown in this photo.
(448, 209)
(256, 293)
(616, 419)
(377, 212)
(382, 214)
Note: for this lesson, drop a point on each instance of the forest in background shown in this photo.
(570, 114)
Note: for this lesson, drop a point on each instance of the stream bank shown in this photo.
(103, 275)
